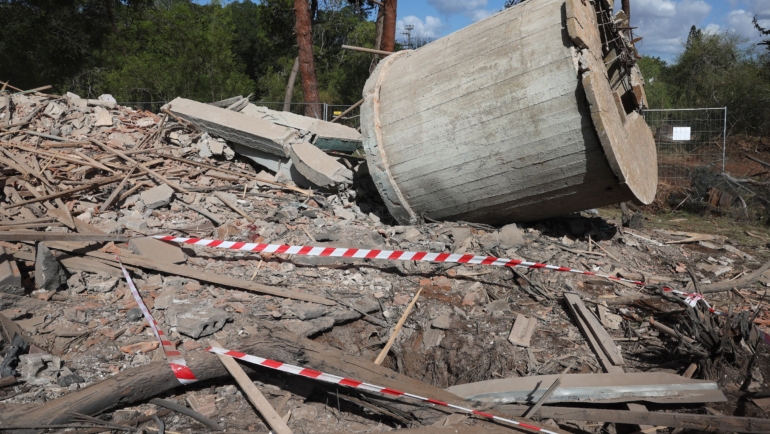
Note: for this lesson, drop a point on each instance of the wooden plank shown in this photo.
(144, 169)
(573, 300)
(96, 183)
(255, 396)
(602, 337)
(192, 273)
(521, 332)
(80, 263)
(54, 236)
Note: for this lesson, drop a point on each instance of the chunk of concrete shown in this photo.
(274, 163)
(510, 236)
(236, 127)
(196, 321)
(327, 135)
(39, 369)
(157, 250)
(49, 274)
(308, 311)
(321, 169)
(10, 277)
(157, 197)
(103, 117)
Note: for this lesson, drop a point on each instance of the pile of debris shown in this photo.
(87, 182)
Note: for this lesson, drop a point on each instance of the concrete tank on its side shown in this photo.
(514, 118)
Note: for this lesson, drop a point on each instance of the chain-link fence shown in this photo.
(150, 106)
(687, 139)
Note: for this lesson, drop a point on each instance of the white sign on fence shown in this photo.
(681, 133)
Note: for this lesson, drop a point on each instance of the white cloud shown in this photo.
(740, 22)
(712, 29)
(472, 9)
(664, 24)
(450, 7)
(479, 14)
(430, 28)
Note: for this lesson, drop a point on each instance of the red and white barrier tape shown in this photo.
(391, 255)
(690, 299)
(175, 359)
(349, 382)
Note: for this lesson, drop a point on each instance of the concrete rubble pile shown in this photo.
(86, 181)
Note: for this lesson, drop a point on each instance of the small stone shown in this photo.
(344, 213)
(49, 274)
(412, 235)
(196, 321)
(459, 235)
(287, 214)
(308, 412)
(443, 322)
(510, 236)
(203, 149)
(157, 197)
(134, 314)
(431, 338)
(308, 311)
(401, 299)
(143, 347)
(70, 379)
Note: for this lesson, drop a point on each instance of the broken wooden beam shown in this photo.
(253, 394)
(272, 341)
(59, 236)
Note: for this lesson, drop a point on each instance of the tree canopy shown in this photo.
(155, 50)
(714, 70)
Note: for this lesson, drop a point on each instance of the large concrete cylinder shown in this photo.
(514, 118)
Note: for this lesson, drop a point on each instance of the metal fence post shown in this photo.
(724, 142)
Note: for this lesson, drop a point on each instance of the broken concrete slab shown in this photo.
(321, 169)
(281, 166)
(10, 277)
(326, 135)
(49, 274)
(157, 197)
(157, 250)
(236, 127)
(196, 321)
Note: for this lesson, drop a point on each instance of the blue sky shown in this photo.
(663, 24)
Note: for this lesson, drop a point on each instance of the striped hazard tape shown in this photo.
(690, 299)
(391, 255)
(349, 382)
(175, 359)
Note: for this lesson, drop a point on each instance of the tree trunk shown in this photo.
(111, 14)
(389, 27)
(378, 36)
(304, 31)
(290, 86)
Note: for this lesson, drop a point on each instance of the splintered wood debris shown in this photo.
(84, 181)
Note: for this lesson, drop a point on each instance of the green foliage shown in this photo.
(44, 41)
(656, 87)
(178, 49)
